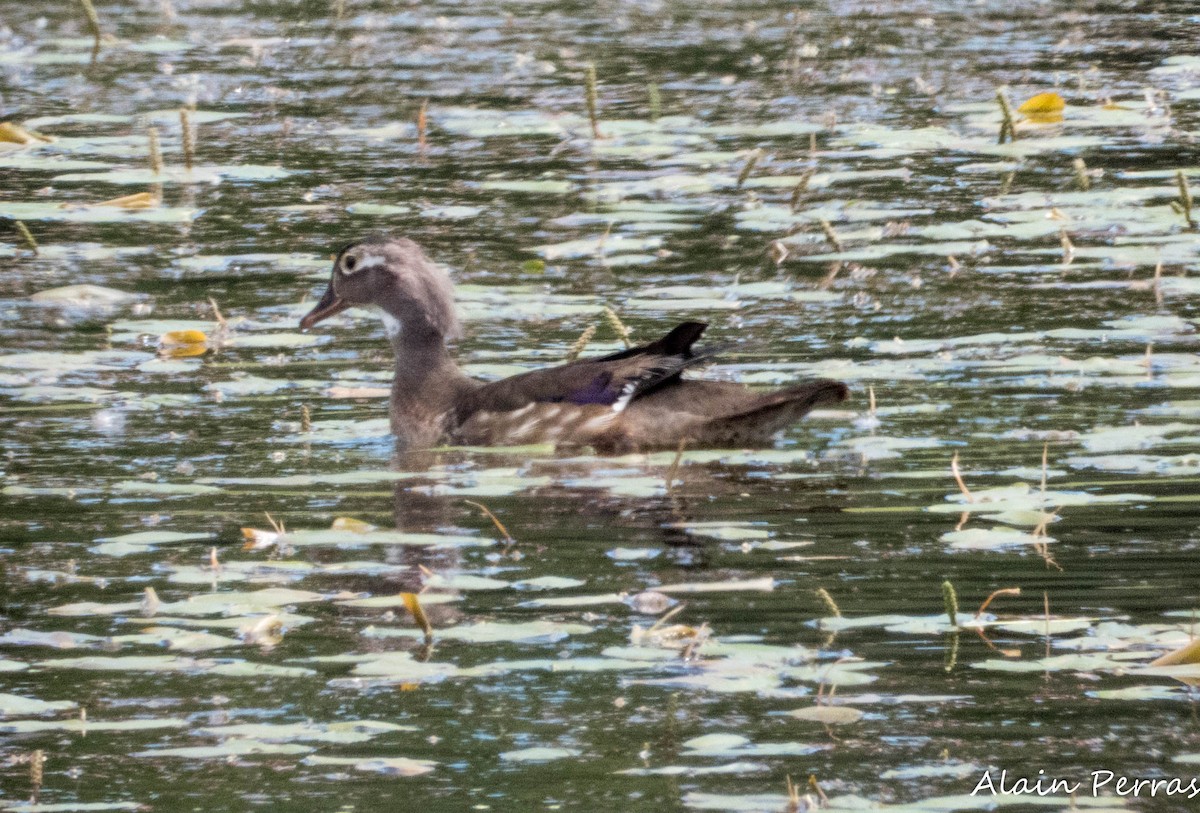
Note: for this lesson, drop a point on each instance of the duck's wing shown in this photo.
(676, 343)
(707, 414)
(613, 380)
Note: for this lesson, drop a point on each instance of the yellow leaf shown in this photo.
(184, 351)
(138, 200)
(183, 337)
(183, 343)
(1181, 656)
(1044, 108)
(349, 524)
(418, 613)
(16, 134)
(1043, 103)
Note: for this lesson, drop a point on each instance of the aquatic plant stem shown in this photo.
(581, 342)
(422, 125)
(655, 101)
(1008, 129)
(1046, 609)
(751, 161)
(592, 96)
(37, 764)
(1068, 248)
(962, 486)
(508, 538)
(156, 162)
(793, 794)
(617, 325)
(1081, 175)
(27, 236)
(93, 21)
(830, 604)
(800, 188)
(418, 613)
(188, 136)
(222, 323)
(950, 602)
(1006, 591)
(1185, 198)
(673, 470)
(812, 783)
(831, 235)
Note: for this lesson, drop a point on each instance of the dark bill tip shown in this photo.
(329, 305)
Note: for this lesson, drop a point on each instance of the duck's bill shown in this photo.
(329, 305)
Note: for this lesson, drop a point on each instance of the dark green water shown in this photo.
(886, 120)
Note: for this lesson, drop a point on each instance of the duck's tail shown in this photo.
(757, 422)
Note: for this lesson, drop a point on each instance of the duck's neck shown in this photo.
(425, 390)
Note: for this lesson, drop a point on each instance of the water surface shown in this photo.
(942, 283)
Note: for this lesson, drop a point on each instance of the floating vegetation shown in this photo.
(1044, 108)
(183, 343)
(11, 133)
(719, 617)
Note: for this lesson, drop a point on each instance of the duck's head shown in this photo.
(394, 275)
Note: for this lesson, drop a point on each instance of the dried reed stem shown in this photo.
(418, 613)
(1185, 198)
(1007, 591)
(156, 162)
(831, 235)
(27, 236)
(958, 479)
(422, 125)
(189, 138)
(93, 21)
(617, 325)
(1081, 175)
(581, 342)
(508, 539)
(592, 96)
(751, 161)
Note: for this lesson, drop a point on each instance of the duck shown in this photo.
(635, 400)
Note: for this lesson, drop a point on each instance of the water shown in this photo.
(307, 138)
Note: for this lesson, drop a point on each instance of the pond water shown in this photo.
(823, 184)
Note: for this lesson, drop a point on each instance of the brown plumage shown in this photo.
(636, 399)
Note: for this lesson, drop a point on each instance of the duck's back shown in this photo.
(632, 400)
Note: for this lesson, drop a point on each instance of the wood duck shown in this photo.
(634, 400)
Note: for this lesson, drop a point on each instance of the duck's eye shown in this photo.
(349, 264)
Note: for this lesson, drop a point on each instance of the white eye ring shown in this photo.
(349, 264)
